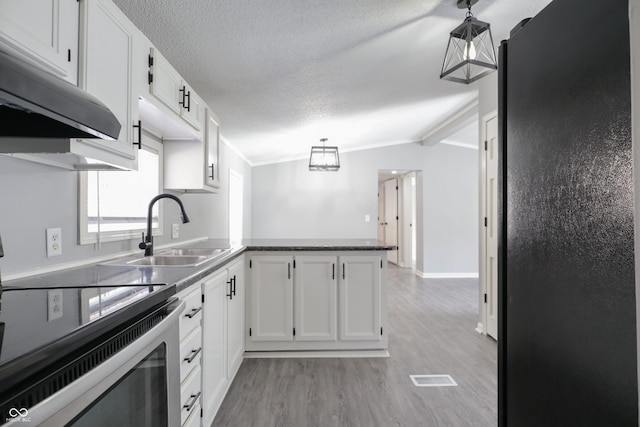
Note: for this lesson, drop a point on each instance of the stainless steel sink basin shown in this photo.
(207, 252)
(170, 260)
(175, 257)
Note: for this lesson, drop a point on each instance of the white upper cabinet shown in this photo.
(43, 32)
(192, 107)
(212, 152)
(107, 45)
(193, 166)
(164, 81)
(167, 86)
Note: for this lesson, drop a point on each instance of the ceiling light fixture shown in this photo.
(324, 158)
(470, 53)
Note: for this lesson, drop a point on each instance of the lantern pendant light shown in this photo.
(470, 53)
(324, 158)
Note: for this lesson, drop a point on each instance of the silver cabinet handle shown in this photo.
(194, 353)
(194, 397)
(193, 312)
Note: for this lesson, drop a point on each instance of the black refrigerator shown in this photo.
(567, 310)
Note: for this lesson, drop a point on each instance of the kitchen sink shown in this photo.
(170, 260)
(175, 257)
(207, 252)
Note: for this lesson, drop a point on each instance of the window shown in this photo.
(113, 204)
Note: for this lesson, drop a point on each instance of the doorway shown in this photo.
(489, 246)
(397, 217)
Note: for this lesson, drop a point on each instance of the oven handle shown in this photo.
(63, 406)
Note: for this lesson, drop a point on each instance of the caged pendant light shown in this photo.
(470, 53)
(324, 158)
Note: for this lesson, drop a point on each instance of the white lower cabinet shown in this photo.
(190, 354)
(271, 298)
(214, 289)
(190, 394)
(235, 318)
(222, 334)
(360, 293)
(316, 301)
(315, 298)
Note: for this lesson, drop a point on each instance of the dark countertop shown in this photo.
(316, 245)
(104, 275)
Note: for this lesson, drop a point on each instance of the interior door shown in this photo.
(491, 238)
(391, 217)
(381, 235)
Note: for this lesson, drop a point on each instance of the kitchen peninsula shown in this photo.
(316, 294)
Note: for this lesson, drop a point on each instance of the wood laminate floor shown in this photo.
(431, 331)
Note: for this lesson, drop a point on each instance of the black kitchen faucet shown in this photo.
(147, 242)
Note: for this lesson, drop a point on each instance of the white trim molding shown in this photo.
(447, 275)
(460, 119)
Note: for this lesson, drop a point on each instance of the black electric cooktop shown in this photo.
(41, 324)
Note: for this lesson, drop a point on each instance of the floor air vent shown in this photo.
(432, 380)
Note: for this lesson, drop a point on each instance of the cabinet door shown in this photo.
(212, 147)
(192, 108)
(271, 299)
(44, 32)
(359, 296)
(166, 83)
(106, 69)
(214, 350)
(315, 294)
(235, 318)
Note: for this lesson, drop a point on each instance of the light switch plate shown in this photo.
(54, 242)
(54, 305)
(175, 231)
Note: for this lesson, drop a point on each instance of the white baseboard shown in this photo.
(447, 275)
(480, 328)
(315, 354)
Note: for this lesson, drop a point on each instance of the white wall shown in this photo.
(289, 201)
(35, 197)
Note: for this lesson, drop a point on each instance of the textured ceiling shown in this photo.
(281, 74)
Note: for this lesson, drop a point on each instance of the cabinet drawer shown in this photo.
(190, 395)
(192, 314)
(190, 353)
(194, 418)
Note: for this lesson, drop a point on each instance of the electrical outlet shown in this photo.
(367, 218)
(54, 242)
(54, 306)
(175, 231)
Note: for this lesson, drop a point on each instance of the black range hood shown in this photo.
(35, 104)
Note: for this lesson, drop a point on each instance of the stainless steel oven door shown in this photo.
(139, 385)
